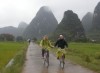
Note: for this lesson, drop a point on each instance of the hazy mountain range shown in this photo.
(70, 26)
(45, 23)
(91, 23)
(13, 30)
(87, 22)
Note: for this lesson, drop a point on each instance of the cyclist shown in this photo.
(46, 45)
(29, 40)
(61, 44)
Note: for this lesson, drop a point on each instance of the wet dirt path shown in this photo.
(34, 63)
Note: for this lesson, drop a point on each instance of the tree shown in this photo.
(19, 38)
(34, 39)
(6, 37)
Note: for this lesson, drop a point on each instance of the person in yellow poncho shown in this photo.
(46, 45)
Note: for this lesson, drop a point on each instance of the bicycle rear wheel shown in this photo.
(62, 63)
(46, 59)
(47, 62)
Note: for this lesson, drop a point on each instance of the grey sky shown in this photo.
(12, 12)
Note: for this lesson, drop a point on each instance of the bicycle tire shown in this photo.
(46, 60)
(62, 63)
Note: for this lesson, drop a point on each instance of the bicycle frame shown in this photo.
(61, 59)
(46, 58)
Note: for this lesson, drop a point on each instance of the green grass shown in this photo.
(9, 50)
(86, 54)
(18, 63)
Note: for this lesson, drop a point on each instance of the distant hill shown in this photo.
(95, 30)
(22, 25)
(13, 30)
(87, 22)
(70, 26)
(43, 24)
(9, 30)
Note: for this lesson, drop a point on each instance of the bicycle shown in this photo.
(46, 58)
(62, 62)
(62, 57)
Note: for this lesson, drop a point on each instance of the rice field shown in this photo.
(8, 50)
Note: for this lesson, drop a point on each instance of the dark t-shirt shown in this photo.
(61, 43)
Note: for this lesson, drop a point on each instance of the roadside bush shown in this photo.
(6, 37)
(87, 59)
(97, 55)
(19, 38)
(82, 40)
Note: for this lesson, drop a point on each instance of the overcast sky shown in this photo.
(12, 12)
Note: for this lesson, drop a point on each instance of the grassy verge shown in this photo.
(17, 65)
(85, 54)
(9, 50)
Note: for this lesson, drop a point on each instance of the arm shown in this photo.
(41, 42)
(66, 44)
(50, 45)
(56, 43)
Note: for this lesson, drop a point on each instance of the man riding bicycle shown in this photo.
(61, 44)
(46, 45)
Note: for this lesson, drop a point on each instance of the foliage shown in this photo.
(6, 37)
(82, 40)
(8, 50)
(19, 38)
(86, 54)
(34, 39)
(87, 59)
(17, 65)
(97, 55)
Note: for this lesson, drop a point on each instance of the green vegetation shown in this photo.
(6, 37)
(85, 54)
(9, 50)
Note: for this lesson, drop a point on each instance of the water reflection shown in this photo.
(60, 70)
(45, 70)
